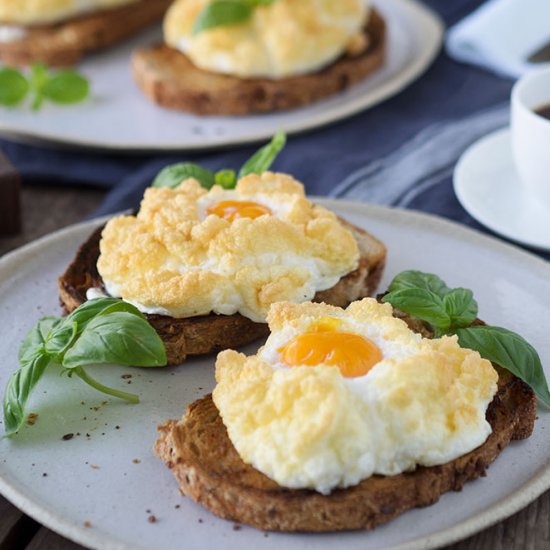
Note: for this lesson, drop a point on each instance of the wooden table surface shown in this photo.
(48, 208)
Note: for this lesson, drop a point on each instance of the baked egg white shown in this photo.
(282, 39)
(43, 12)
(191, 252)
(336, 396)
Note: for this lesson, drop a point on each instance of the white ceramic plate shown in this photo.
(119, 117)
(118, 495)
(487, 185)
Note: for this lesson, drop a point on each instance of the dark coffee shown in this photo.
(544, 111)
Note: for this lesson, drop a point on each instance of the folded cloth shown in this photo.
(502, 35)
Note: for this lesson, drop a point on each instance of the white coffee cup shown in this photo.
(531, 134)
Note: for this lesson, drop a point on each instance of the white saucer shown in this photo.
(487, 185)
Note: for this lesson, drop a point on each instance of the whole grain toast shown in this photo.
(64, 43)
(170, 79)
(209, 470)
(211, 333)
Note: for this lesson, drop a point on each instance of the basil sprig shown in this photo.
(101, 331)
(221, 13)
(63, 87)
(172, 175)
(452, 311)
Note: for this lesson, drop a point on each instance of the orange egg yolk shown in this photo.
(324, 344)
(232, 210)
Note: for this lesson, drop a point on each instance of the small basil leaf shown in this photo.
(66, 87)
(84, 313)
(418, 279)
(222, 13)
(59, 339)
(461, 307)
(510, 351)
(13, 87)
(117, 338)
(171, 176)
(226, 179)
(18, 390)
(35, 339)
(262, 160)
(421, 303)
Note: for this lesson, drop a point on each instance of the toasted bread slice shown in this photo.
(64, 43)
(211, 333)
(170, 79)
(208, 468)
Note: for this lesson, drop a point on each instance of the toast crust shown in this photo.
(64, 43)
(170, 79)
(209, 470)
(212, 333)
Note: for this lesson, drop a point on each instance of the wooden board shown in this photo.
(10, 203)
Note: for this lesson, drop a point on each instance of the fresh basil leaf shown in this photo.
(262, 160)
(35, 339)
(511, 352)
(90, 309)
(421, 303)
(105, 330)
(418, 279)
(59, 339)
(221, 13)
(119, 338)
(84, 313)
(171, 176)
(461, 307)
(19, 389)
(458, 303)
(66, 87)
(13, 87)
(226, 179)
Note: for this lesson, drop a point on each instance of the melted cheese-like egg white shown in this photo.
(310, 427)
(282, 39)
(177, 258)
(43, 12)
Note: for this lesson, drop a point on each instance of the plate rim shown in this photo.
(407, 76)
(514, 502)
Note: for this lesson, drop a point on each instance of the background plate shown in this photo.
(119, 117)
(108, 475)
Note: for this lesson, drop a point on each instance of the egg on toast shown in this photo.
(343, 420)
(286, 55)
(205, 266)
(59, 32)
